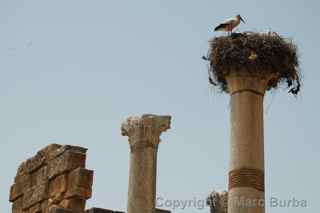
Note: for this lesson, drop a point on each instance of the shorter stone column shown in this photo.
(218, 202)
(144, 137)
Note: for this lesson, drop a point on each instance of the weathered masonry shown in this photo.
(55, 177)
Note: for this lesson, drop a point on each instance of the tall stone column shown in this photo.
(246, 65)
(246, 169)
(144, 137)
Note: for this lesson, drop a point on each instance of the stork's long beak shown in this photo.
(242, 20)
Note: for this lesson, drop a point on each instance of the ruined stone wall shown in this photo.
(55, 181)
(54, 177)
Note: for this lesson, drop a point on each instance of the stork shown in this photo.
(229, 24)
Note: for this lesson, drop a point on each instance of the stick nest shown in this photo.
(256, 53)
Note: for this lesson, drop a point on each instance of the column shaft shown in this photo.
(246, 169)
(144, 138)
(142, 180)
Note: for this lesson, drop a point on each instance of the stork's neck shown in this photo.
(238, 19)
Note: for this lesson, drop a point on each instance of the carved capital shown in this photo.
(145, 131)
(218, 202)
(248, 82)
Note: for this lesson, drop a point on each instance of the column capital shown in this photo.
(245, 81)
(144, 131)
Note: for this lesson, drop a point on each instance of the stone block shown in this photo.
(57, 186)
(23, 182)
(35, 195)
(48, 150)
(44, 206)
(35, 208)
(67, 161)
(15, 192)
(74, 204)
(21, 170)
(24, 179)
(17, 206)
(80, 184)
(35, 162)
(60, 210)
(65, 148)
(39, 176)
(162, 211)
(100, 210)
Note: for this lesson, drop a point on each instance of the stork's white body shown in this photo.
(229, 24)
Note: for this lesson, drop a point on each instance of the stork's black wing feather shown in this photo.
(220, 26)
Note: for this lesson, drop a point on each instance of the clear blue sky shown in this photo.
(72, 71)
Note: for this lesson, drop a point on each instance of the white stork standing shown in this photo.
(229, 24)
